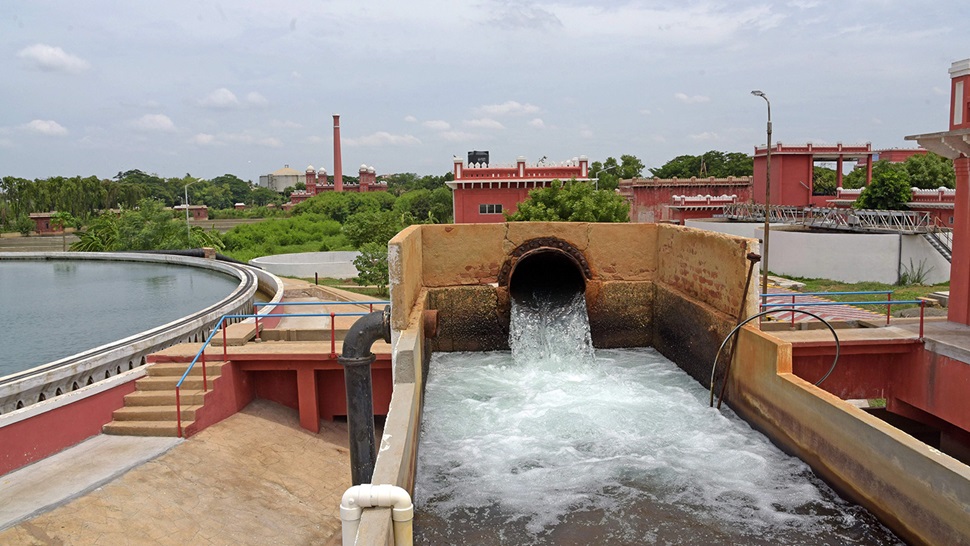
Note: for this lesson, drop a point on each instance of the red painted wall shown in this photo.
(467, 201)
(47, 433)
(280, 386)
(901, 372)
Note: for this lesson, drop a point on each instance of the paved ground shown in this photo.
(255, 478)
(828, 312)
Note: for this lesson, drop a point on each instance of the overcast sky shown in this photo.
(96, 87)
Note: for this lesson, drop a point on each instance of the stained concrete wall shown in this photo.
(627, 263)
(921, 493)
(695, 285)
(456, 270)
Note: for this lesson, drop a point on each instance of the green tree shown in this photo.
(372, 227)
(890, 188)
(823, 181)
(341, 205)
(930, 171)
(571, 201)
(239, 190)
(261, 196)
(149, 227)
(371, 266)
(854, 179)
(713, 163)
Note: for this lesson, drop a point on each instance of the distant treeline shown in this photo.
(84, 197)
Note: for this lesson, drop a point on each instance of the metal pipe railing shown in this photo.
(223, 323)
(783, 306)
(888, 303)
(371, 305)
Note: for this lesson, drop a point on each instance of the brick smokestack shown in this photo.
(338, 169)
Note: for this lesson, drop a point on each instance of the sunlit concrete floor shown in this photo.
(254, 478)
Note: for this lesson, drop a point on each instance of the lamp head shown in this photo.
(758, 93)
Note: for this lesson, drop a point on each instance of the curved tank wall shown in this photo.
(69, 373)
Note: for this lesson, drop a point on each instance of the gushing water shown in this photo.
(555, 443)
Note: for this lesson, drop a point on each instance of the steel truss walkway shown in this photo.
(908, 222)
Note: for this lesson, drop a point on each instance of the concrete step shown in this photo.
(144, 428)
(159, 369)
(154, 413)
(168, 382)
(188, 397)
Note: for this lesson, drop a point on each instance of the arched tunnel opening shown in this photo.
(546, 274)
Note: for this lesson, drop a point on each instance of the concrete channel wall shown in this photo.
(919, 492)
(642, 279)
(679, 290)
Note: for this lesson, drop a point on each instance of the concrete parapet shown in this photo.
(921, 493)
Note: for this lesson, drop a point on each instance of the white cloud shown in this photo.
(410, 119)
(537, 123)
(252, 138)
(645, 111)
(153, 123)
(224, 99)
(691, 99)
(45, 127)
(705, 136)
(459, 136)
(256, 99)
(52, 59)
(586, 133)
(483, 123)
(437, 125)
(204, 139)
(220, 99)
(286, 124)
(508, 108)
(382, 138)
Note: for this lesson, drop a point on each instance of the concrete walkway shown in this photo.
(255, 478)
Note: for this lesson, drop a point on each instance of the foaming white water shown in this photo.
(552, 447)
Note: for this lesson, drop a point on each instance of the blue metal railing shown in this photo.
(222, 324)
(888, 303)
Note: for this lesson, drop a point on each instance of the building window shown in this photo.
(489, 209)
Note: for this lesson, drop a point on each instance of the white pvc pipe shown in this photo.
(367, 495)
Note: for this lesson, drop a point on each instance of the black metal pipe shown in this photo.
(356, 359)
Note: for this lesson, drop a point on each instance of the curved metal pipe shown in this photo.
(356, 359)
(838, 346)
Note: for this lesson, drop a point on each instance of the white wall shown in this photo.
(336, 265)
(841, 256)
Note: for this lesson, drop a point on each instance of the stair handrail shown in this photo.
(223, 323)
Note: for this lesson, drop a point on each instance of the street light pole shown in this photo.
(596, 175)
(764, 258)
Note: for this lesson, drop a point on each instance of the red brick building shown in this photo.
(482, 193)
(793, 167)
(676, 200)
